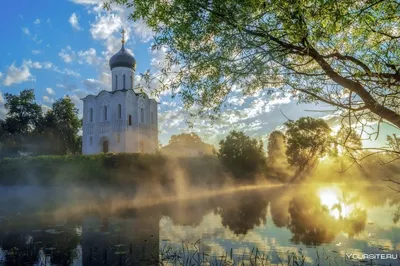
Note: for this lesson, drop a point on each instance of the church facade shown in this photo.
(120, 120)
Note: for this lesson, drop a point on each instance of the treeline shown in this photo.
(307, 148)
(27, 129)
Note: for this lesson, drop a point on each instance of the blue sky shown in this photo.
(62, 47)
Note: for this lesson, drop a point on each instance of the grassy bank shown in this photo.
(108, 169)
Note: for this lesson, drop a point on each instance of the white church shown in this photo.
(120, 120)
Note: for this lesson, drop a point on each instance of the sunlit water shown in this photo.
(323, 223)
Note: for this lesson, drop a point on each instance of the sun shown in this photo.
(331, 198)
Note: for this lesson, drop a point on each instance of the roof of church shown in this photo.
(123, 90)
(123, 58)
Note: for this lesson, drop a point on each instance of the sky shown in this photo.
(62, 47)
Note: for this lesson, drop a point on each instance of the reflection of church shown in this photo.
(120, 120)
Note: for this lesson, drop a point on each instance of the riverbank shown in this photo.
(110, 169)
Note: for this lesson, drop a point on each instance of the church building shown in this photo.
(120, 120)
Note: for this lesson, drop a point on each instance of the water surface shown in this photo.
(311, 224)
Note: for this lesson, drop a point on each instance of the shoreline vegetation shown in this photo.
(135, 170)
(108, 169)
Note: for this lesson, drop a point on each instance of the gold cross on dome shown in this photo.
(123, 36)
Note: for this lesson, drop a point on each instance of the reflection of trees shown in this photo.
(244, 213)
(310, 222)
(23, 239)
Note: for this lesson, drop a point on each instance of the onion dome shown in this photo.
(123, 58)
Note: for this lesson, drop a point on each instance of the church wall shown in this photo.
(137, 137)
(118, 78)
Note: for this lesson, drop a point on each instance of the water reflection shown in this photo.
(95, 232)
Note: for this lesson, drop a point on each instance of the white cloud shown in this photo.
(26, 31)
(47, 99)
(16, 75)
(1, 75)
(93, 86)
(73, 20)
(50, 91)
(37, 21)
(35, 52)
(67, 54)
(87, 2)
(141, 29)
(105, 26)
(88, 56)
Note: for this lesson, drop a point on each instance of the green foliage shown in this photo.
(23, 113)
(344, 53)
(26, 129)
(277, 163)
(307, 139)
(187, 144)
(242, 155)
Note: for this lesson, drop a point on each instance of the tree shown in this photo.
(242, 155)
(23, 114)
(277, 163)
(25, 129)
(187, 144)
(346, 142)
(63, 122)
(344, 53)
(307, 139)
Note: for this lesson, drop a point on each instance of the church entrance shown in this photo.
(105, 146)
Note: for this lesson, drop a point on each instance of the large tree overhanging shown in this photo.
(344, 53)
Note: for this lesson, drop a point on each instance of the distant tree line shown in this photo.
(290, 154)
(27, 129)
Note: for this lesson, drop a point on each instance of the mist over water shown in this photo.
(85, 225)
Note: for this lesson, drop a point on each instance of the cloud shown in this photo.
(93, 86)
(37, 21)
(35, 52)
(141, 29)
(16, 75)
(67, 54)
(50, 91)
(26, 31)
(105, 26)
(88, 2)
(88, 56)
(34, 38)
(47, 99)
(1, 75)
(73, 20)
(3, 110)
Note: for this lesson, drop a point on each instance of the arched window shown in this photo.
(91, 114)
(105, 113)
(91, 141)
(124, 82)
(116, 82)
(130, 120)
(119, 111)
(142, 115)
